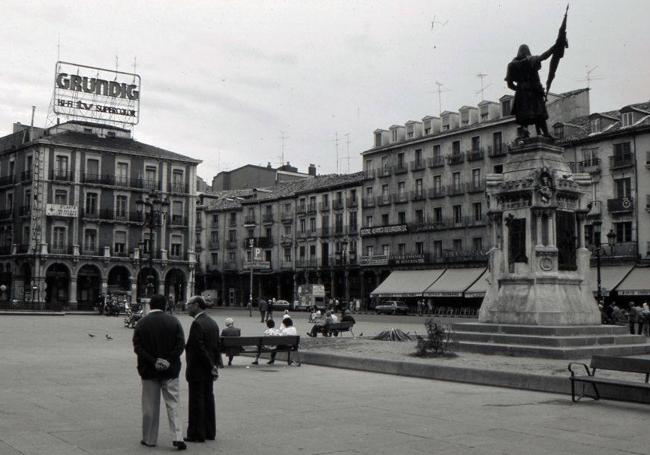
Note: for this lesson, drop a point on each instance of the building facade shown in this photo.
(73, 227)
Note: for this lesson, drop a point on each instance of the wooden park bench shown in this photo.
(338, 327)
(259, 344)
(599, 362)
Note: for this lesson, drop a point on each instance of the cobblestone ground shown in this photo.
(64, 392)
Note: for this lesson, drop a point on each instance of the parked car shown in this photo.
(281, 305)
(392, 307)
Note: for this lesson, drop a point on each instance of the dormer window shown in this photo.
(484, 114)
(506, 109)
(627, 118)
(110, 134)
(378, 139)
(595, 125)
(394, 135)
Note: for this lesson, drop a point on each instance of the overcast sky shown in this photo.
(222, 81)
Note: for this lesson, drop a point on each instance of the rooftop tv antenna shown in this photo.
(440, 92)
(336, 141)
(590, 78)
(483, 87)
(283, 137)
(347, 152)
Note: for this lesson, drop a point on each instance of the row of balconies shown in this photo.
(591, 166)
(135, 217)
(432, 193)
(65, 249)
(446, 223)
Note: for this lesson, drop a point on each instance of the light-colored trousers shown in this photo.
(151, 391)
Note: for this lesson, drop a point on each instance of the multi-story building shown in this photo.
(304, 231)
(614, 147)
(424, 200)
(73, 225)
(251, 176)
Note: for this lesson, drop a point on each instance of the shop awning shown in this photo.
(610, 277)
(479, 288)
(637, 282)
(406, 283)
(453, 282)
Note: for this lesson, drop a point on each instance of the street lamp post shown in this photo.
(154, 209)
(251, 245)
(611, 241)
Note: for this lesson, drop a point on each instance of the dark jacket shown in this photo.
(202, 349)
(158, 335)
(231, 332)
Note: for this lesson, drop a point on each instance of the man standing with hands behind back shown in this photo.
(158, 341)
(202, 356)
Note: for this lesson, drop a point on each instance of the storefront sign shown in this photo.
(373, 260)
(379, 230)
(408, 259)
(70, 211)
(261, 265)
(96, 93)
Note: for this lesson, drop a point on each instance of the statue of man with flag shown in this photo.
(529, 107)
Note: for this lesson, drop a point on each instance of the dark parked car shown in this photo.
(392, 307)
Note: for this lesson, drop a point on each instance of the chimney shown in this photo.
(268, 164)
(312, 169)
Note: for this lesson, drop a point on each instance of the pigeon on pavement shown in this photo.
(91, 335)
(108, 337)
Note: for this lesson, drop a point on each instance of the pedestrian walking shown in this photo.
(202, 356)
(158, 341)
(269, 309)
(262, 307)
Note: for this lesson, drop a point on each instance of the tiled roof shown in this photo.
(584, 125)
(115, 143)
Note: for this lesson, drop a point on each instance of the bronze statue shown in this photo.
(529, 107)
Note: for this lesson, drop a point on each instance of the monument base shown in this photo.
(552, 342)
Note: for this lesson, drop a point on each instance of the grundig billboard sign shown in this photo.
(96, 93)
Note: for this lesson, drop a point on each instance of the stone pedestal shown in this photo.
(538, 268)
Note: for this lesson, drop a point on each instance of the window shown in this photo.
(302, 225)
(312, 224)
(325, 199)
(458, 245)
(384, 190)
(302, 252)
(378, 139)
(418, 157)
(385, 250)
(215, 219)
(176, 245)
(476, 143)
(119, 243)
(595, 124)
(232, 236)
(233, 219)
(151, 180)
(455, 181)
(384, 162)
(419, 248)
(58, 240)
(458, 214)
(370, 250)
(269, 233)
(312, 251)
(476, 178)
(478, 213)
(400, 160)
(287, 229)
(92, 167)
(369, 192)
(436, 152)
(353, 221)
(437, 215)
(122, 174)
(61, 166)
(437, 183)
(250, 233)
(622, 152)
(215, 258)
(177, 177)
(558, 130)
(368, 220)
(498, 168)
(623, 188)
(287, 254)
(497, 141)
(121, 207)
(338, 222)
(231, 256)
(325, 223)
(418, 187)
(627, 118)
(90, 241)
(91, 203)
(455, 147)
(401, 188)
(60, 197)
(506, 110)
(312, 202)
(623, 232)
(10, 202)
(401, 217)
(12, 166)
(590, 156)
(477, 244)
(384, 219)
(419, 216)
(394, 132)
(401, 249)
(437, 248)
(27, 201)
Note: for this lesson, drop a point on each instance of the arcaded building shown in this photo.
(72, 226)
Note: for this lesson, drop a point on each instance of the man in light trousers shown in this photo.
(159, 341)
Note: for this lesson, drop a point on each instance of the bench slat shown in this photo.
(628, 364)
(617, 382)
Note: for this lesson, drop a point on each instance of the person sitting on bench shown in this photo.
(287, 330)
(231, 331)
(321, 326)
(269, 332)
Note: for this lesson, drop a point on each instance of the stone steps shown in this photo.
(552, 352)
(541, 330)
(551, 341)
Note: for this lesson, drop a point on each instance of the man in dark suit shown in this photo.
(202, 356)
(158, 341)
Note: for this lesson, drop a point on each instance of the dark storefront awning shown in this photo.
(637, 282)
(610, 277)
(454, 282)
(406, 283)
(479, 288)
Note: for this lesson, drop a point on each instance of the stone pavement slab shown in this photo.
(64, 392)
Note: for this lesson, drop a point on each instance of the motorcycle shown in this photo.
(134, 313)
